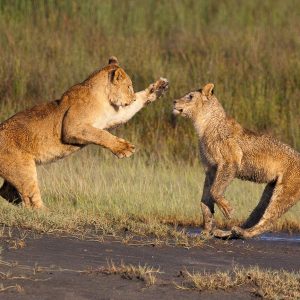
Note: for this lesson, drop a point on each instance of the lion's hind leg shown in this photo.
(21, 184)
(261, 207)
(30, 192)
(284, 196)
(9, 193)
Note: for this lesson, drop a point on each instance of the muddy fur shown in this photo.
(229, 151)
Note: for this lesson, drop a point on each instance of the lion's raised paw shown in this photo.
(157, 89)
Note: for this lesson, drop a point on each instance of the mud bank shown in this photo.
(59, 261)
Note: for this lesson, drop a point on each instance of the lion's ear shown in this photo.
(208, 89)
(113, 60)
(117, 75)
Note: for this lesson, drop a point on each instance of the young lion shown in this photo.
(229, 151)
(50, 131)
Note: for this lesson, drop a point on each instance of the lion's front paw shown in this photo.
(123, 148)
(222, 234)
(157, 89)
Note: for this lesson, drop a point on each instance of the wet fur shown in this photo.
(229, 151)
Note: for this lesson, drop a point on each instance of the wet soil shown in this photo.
(53, 266)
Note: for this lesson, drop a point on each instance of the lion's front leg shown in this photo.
(153, 92)
(84, 134)
(225, 173)
(207, 205)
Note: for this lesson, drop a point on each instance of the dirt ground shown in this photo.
(50, 267)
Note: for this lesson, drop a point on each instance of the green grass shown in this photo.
(249, 49)
(93, 190)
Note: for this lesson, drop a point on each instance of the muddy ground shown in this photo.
(52, 266)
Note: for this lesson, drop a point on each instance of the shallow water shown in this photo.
(280, 237)
(273, 237)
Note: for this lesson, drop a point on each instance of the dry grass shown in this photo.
(144, 273)
(267, 284)
(129, 271)
(9, 276)
(13, 242)
(93, 192)
(264, 283)
(15, 287)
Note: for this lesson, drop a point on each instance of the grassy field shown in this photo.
(97, 192)
(249, 49)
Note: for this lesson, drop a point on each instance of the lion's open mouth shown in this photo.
(177, 111)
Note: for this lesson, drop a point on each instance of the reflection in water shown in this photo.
(280, 237)
(273, 237)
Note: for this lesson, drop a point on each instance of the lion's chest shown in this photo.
(110, 118)
(206, 155)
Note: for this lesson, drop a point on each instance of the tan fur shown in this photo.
(53, 130)
(229, 151)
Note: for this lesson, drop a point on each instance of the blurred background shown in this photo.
(249, 49)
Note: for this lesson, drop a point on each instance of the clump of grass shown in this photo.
(15, 287)
(267, 284)
(129, 271)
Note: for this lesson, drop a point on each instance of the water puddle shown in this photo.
(279, 237)
(272, 237)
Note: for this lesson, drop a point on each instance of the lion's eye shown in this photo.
(190, 97)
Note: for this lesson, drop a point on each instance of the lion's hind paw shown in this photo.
(237, 232)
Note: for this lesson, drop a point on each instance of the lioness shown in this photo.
(50, 131)
(229, 151)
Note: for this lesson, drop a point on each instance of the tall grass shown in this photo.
(249, 49)
(94, 189)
